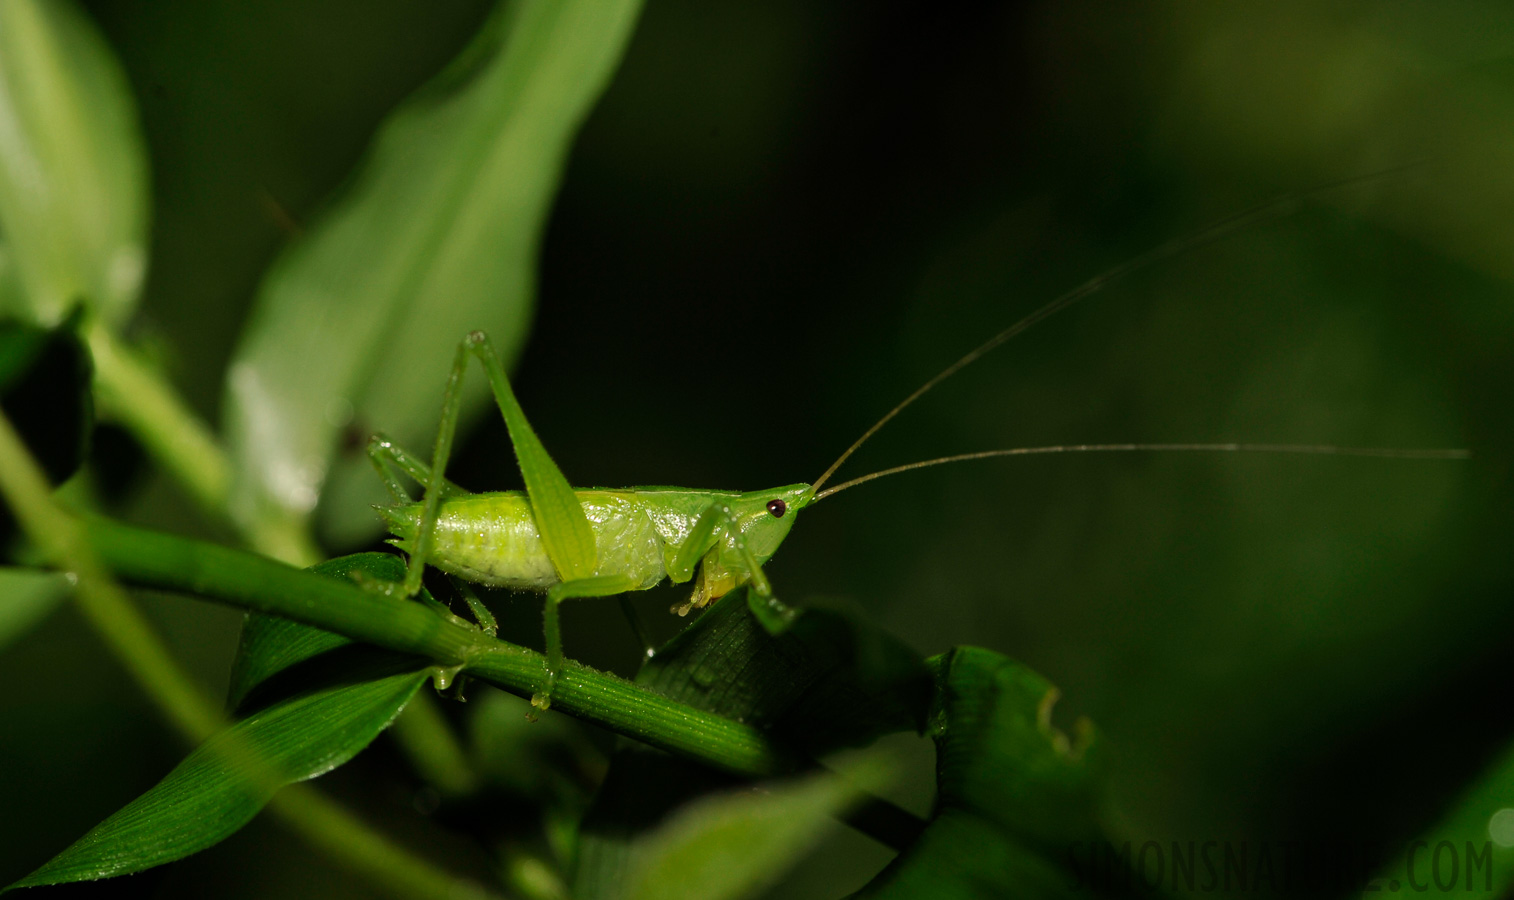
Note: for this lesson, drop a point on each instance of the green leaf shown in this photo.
(827, 682)
(73, 171)
(223, 784)
(436, 236)
(26, 596)
(320, 698)
(1013, 792)
(736, 843)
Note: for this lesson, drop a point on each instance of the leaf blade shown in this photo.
(330, 697)
(220, 786)
(437, 237)
(73, 167)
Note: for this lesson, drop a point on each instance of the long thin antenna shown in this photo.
(1310, 449)
(1229, 225)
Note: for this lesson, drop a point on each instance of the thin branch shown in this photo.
(168, 562)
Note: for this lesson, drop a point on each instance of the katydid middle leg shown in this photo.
(594, 586)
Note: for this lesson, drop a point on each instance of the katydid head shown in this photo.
(766, 516)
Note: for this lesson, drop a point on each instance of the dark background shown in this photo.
(783, 217)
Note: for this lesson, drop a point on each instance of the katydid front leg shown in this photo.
(717, 522)
(384, 453)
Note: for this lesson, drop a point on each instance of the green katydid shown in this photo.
(577, 543)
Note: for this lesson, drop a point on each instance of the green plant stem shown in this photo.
(64, 540)
(136, 395)
(253, 582)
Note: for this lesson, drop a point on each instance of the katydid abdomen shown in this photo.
(492, 539)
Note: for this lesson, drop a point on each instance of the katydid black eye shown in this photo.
(777, 508)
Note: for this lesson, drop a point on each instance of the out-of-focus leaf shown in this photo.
(642, 789)
(1014, 793)
(828, 682)
(356, 324)
(1479, 829)
(736, 843)
(45, 391)
(223, 784)
(73, 171)
(26, 595)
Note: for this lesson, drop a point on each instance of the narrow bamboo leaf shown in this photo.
(827, 682)
(1013, 792)
(223, 784)
(436, 236)
(26, 596)
(320, 698)
(736, 843)
(73, 171)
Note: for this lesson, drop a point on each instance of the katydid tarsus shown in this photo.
(594, 542)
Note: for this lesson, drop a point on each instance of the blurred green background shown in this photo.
(783, 217)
